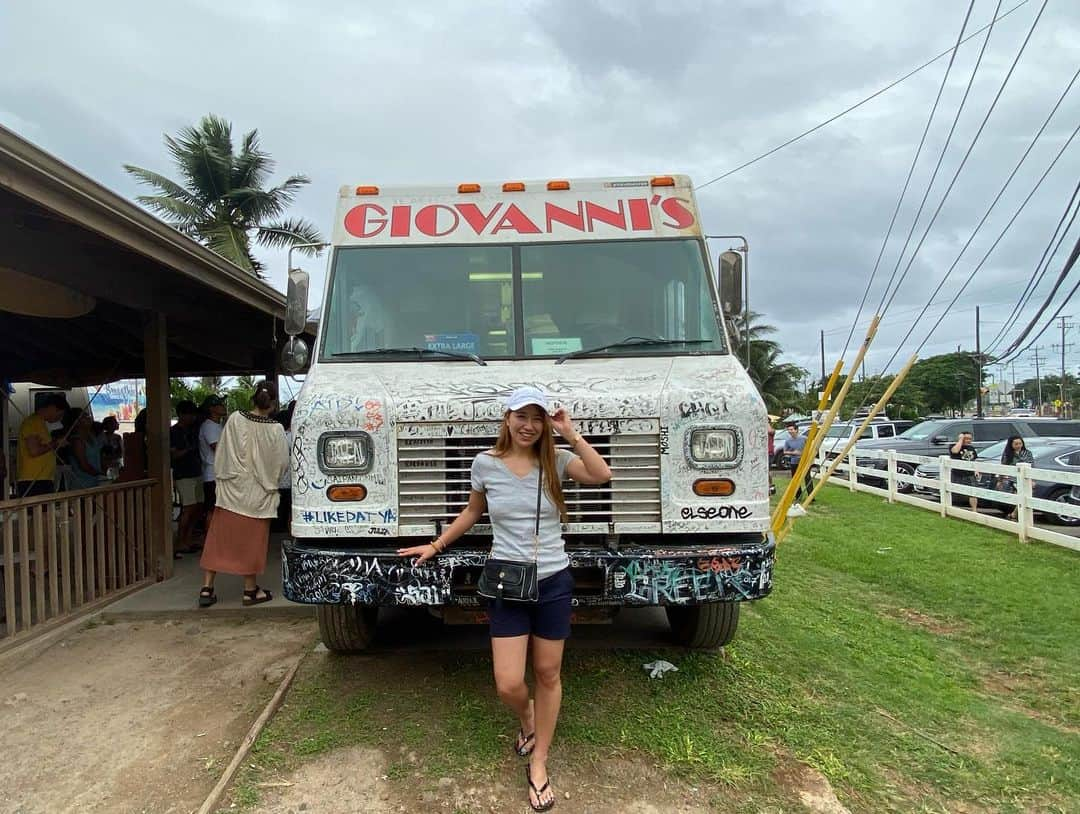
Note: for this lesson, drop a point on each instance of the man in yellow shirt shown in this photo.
(36, 458)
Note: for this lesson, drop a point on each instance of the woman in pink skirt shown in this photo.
(251, 458)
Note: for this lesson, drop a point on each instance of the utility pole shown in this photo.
(823, 359)
(1061, 384)
(1038, 382)
(979, 359)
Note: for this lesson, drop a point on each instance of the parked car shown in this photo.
(933, 438)
(1060, 454)
(841, 432)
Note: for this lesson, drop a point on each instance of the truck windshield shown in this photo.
(569, 297)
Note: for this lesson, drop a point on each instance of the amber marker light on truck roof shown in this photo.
(714, 487)
(353, 491)
(367, 190)
(463, 188)
(513, 186)
(557, 185)
(662, 181)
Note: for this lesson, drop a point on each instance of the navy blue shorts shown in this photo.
(548, 618)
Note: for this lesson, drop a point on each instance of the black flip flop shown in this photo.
(207, 597)
(550, 804)
(521, 745)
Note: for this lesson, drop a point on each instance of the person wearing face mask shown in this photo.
(518, 484)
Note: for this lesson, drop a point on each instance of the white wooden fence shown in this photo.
(61, 553)
(849, 474)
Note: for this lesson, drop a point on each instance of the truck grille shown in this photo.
(434, 462)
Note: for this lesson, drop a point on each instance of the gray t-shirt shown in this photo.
(512, 508)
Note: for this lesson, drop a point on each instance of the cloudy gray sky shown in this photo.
(444, 92)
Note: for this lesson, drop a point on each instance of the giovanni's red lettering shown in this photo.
(556, 214)
(640, 217)
(400, 217)
(427, 220)
(678, 210)
(359, 224)
(612, 217)
(514, 218)
(475, 218)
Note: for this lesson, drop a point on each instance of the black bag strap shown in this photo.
(536, 529)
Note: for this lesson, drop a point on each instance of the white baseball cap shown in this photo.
(524, 396)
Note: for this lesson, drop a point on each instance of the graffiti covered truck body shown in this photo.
(438, 304)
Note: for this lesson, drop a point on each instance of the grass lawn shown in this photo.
(920, 664)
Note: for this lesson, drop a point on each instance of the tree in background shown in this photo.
(237, 397)
(948, 381)
(221, 200)
(907, 402)
(776, 381)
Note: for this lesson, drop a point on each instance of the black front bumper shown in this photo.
(315, 573)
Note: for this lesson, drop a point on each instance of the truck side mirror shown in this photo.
(296, 300)
(731, 283)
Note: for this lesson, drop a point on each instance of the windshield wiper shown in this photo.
(454, 354)
(631, 341)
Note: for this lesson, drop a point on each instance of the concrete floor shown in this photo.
(180, 594)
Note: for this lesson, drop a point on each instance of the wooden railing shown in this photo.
(899, 482)
(60, 553)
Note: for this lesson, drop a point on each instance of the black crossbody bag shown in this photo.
(509, 579)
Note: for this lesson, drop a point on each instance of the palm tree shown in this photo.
(776, 381)
(222, 202)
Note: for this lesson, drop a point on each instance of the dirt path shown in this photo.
(137, 716)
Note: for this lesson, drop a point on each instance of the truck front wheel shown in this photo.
(347, 628)
(704, 626)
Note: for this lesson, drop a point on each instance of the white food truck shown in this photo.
(441, 301)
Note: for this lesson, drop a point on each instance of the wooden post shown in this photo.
(1024, 515)
(158, 415)
(890, 456)
(944, 479)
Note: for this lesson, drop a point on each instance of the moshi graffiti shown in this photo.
(633, 576)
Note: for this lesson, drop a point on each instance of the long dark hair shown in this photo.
(544, 450)
(1009, 455)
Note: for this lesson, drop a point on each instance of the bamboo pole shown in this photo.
(793, 486)
(809, 452)
(896, 382)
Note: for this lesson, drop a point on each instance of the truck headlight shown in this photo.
(714, 446)
(345, 452)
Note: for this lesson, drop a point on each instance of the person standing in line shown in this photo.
(963, 450)
(187, 475)
(248, 463)
(793, 447)
(135, 453)
(1015, 452)
(112, 446)
(505, 483)
(209, 436)
(35, 459)
(86, 470)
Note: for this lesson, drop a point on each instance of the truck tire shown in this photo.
(347, 628)
(705, 626)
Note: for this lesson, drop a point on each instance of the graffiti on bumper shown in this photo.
(630, 577)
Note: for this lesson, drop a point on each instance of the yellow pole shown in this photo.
(809, 452)
(793, 486)
(896, 382)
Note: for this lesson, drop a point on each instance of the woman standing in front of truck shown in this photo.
(505, 483)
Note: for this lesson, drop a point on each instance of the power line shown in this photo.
(1041, 268)
(967, 155)
(1011, 352)
(1012, 220)
(911, 172)
(859, 104)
